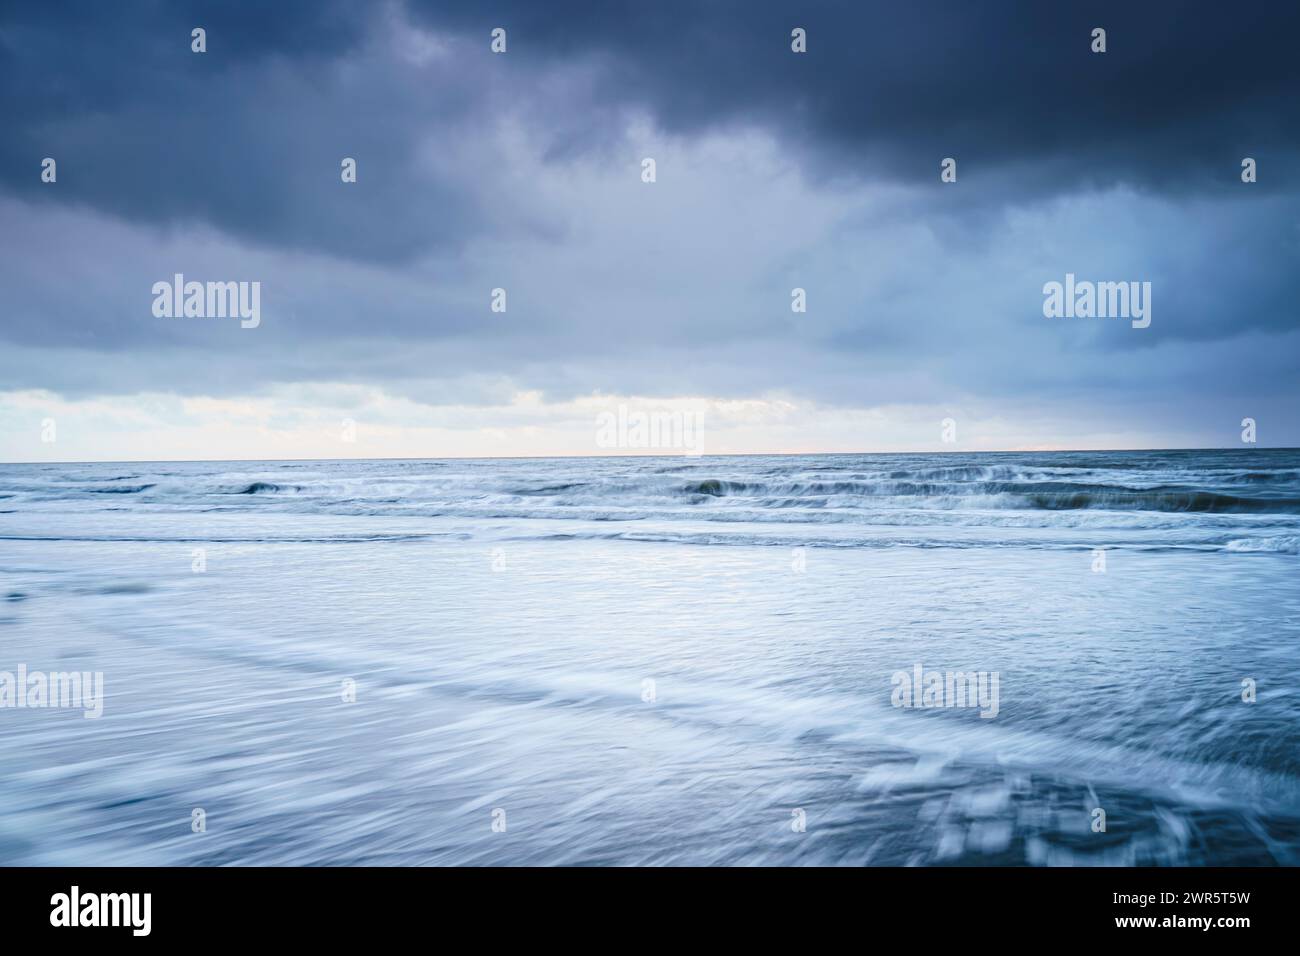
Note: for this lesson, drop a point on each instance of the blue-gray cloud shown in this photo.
(776, 170)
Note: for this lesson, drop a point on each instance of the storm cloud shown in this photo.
(775, 170)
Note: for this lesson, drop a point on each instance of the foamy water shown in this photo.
(505, 622)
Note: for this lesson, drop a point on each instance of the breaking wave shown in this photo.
(1238, 501)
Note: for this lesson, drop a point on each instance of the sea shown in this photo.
(753, 660)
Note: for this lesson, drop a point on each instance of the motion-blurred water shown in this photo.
(656, 660)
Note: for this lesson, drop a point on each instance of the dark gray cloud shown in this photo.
(776, 170)
(1183, 91)
(248, 136)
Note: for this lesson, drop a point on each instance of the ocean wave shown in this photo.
(342, 538)
(263, 488)
(1279, 544)
(1045, 495)
(1193, 499)
(876, 541)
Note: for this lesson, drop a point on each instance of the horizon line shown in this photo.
(801, 454)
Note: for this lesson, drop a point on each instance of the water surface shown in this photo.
(505, 622)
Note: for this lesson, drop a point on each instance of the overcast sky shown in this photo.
(523, 170)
